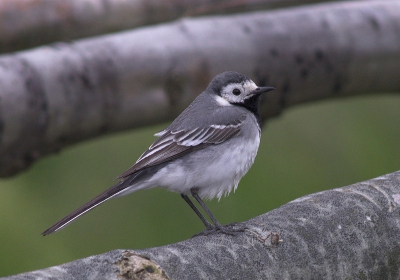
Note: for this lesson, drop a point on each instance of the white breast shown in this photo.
(213, 170)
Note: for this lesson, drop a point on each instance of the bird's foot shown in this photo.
(230, 229)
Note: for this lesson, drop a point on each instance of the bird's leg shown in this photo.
(228, 229)
(194, 192)
(209, 227)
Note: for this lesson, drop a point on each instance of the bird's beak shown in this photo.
(261, 90)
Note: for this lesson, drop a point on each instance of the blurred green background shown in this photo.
(307, 149)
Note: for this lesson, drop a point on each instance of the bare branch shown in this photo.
(346, 233)
(29, 23)
(60, 94)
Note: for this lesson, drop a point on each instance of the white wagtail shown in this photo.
(205, 152)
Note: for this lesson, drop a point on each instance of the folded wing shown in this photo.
(178, 143)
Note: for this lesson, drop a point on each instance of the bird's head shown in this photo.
(232, 88)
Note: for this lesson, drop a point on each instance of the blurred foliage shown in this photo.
(308, 149)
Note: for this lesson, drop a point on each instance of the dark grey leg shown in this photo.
(204, 206)
(230, 229)
(198, 213)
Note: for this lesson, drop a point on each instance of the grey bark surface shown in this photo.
(60, 94)
(30, 23)
(346, 233)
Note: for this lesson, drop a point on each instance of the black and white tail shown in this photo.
(111, 192)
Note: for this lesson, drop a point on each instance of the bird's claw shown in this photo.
(230, 229)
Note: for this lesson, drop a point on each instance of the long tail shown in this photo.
(106, 195)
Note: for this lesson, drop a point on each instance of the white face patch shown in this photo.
(237, 92)
(222, 101)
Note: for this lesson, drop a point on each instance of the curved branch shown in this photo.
(346, 233)
(29, 23)
(64, 93)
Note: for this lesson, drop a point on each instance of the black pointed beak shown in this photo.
(261, 90)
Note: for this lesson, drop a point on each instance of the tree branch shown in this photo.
(346, 233)
(64, 93)
(29, 23)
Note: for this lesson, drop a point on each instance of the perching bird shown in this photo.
(205, 152)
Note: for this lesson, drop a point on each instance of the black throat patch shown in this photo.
(251, 104)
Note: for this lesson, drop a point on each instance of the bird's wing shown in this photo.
(177, 143)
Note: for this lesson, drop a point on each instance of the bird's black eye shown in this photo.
(236, 91)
